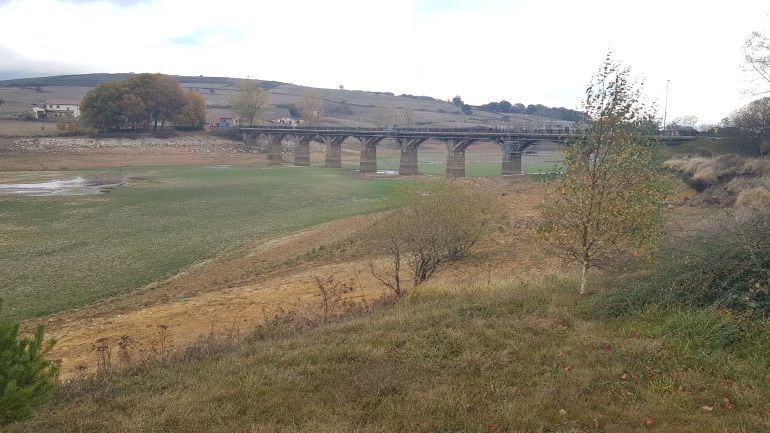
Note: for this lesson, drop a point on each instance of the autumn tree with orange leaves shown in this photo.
(609, 201)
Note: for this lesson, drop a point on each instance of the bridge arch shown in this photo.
(511, 140)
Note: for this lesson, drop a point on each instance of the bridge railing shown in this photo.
(394, 130)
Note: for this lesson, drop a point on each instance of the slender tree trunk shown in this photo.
(583, 278)
(397, 271)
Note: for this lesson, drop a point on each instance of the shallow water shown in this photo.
(59, 187)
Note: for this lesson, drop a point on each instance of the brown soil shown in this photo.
(55, 153)
(235, 293)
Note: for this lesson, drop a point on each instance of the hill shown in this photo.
(339, 106)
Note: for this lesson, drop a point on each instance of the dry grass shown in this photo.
(723, 179)
(757, 198)
(24, 128)
(482, 356)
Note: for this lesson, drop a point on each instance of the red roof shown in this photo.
(63, 102)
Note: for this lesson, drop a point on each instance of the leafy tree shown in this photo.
(753, 121)
(2, 101)
(102, 106)
(162, 97)
(132, 110)
(26, 375)
(249, 101)
(133, 103)
(608, 201)
(193, 114)
(457, 101)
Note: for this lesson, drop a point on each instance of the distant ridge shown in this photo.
(93, 80)
(340, 106)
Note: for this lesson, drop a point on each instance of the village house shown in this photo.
(36, 112)
(227, 122)
(62, 108)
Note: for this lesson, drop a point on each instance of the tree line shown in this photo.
(560, 113)
(142, 102)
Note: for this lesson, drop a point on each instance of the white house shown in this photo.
(62, 108)
(36, 112)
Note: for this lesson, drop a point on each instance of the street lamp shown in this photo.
(665, 108)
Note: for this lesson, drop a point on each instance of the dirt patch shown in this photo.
(234, 293)
(68, 153)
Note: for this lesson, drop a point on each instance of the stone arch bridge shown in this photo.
(512, 141)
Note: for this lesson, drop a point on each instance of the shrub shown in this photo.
(721, 263)
(755, 198)
(26, 375)
(435, 224)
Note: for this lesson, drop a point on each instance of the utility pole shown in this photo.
(665, 107)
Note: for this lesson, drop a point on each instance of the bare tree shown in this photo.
(688, 121)
(756, 50)
(311, 107)
(393, 244)
(249, 101)
(333, 294)
(403, 116)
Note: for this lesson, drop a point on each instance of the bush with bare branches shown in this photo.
(434, 224)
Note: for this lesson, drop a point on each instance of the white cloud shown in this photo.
(523, 51)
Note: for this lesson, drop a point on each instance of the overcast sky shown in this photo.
(484, 50)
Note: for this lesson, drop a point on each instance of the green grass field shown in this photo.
(63, 252)
(477, 163)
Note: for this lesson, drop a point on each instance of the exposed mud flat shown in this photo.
(60, 187)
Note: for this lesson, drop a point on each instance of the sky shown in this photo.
(533, 52)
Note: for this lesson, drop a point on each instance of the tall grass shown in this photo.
(479, 356)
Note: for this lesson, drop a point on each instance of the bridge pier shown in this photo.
(275, 149)
(368, 162)
(512, 142)
(408, 164)
(455, 158)
(511, 158)
(302, 151)
(455, 163)
(333, 150)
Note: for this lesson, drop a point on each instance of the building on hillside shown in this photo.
(36, 112)
(228, 122)
(62, 108)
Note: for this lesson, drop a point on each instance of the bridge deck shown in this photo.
(492, 134)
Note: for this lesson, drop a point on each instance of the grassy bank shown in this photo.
(63, 252)
(468, 359)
